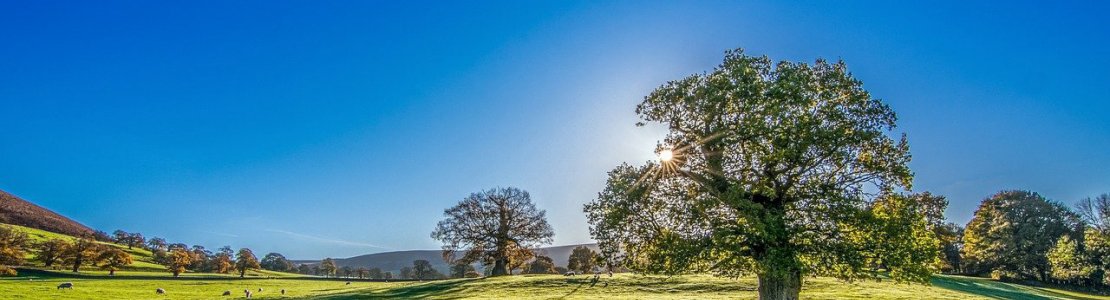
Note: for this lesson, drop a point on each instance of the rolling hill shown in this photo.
(16, 211)
(395, 260)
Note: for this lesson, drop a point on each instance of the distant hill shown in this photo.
(394, 261)
(14, 210)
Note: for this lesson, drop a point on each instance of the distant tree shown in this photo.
(1096, 212)
(112, 259)
(156, 243)
(376, 273)
(541, 265)
(80, 252)
(245, 260)
(51, 251)
(102, 236)
(181, 246)
(201, 257)
(458, 270)
(316, 270)
(120, 236)
(347, 271)
(387, 276)
(304, 269)
(222, 261)
(135, 239)
(582, 259)
(178, 260)
(422, 269)
(274, 261)
(1011, 233)
(13, 248)
(1068, 262)
(493, 226)
(951, 242)
(362, 272)
(406, 273)
(328, 267)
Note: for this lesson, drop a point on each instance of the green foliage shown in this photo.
(771, 163)
(422, 270)
(582, 259)
(328, 267)
(113, 259)
(1068, 262)
(1012, 232)
(276, 262)
(459, 270)
(541, 265)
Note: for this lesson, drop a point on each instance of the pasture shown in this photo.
(621, 286)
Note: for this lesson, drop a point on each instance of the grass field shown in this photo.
(622, 286)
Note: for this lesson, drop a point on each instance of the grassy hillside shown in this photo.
(143, 264)
(622, 286)
(14, 210)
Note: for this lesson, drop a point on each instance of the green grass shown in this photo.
(622, 286)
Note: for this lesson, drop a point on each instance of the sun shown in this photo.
(666, 155)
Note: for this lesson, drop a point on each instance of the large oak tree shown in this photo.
(768, 168)
(494, 227)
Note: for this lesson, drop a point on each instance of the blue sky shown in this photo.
(342, 128)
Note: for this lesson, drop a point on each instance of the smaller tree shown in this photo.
(347, 271)
(276, 262)
(156, 243)
(376, 273)
(328, 267)
(304, 269)
(178, 260)
(135, 239)
(245, 260)
(119, 236)
(406, 273)
(51, 251)
(222, 262)
(541, 265)
(13, 248)
(387, 276)
(112, 259)
(422, 269)
(582, 259)
(1068, 263)
(459, 270)
(362, 272)
(80, 252)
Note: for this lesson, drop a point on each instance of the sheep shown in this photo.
(160, 291)
(283, 291)
(348, 283)
(226, 293)
(571, 273)
(259, 290)
(65, 285)
(247, 292)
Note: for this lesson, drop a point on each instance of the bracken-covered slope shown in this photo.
(14, 210)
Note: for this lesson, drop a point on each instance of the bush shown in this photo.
(5, 271)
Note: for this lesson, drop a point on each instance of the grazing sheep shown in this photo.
(160, 291)
(283, 291)
(65, 285)
(571, 273)
(348, 283)
(226, 293)
(259, 290)
(248, 292)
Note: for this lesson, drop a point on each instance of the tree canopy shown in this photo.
(498, 227)
(1012, 232)
(771, 169)
(245, 260)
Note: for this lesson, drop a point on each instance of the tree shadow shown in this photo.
(1000, 290)
(446, 289)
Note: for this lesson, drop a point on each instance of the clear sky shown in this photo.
(333, 128)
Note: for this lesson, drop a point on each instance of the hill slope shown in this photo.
(16, 211)
(395, 260)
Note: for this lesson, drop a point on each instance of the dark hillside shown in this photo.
(14, 210)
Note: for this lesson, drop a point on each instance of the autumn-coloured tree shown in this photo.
(493, 227)
(222, 260)
(80, 252)
(51, 251)
(245, 260)
(112, 259)
(177, 261)
(328, 267)
(764, 166)
(13, 248)
(582, 259)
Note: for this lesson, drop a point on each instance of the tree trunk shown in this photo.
(500, 267)
(780, 285)
(76, 264)
(111, 272)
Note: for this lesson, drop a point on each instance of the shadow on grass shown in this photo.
(448, 289)
(999, 290)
